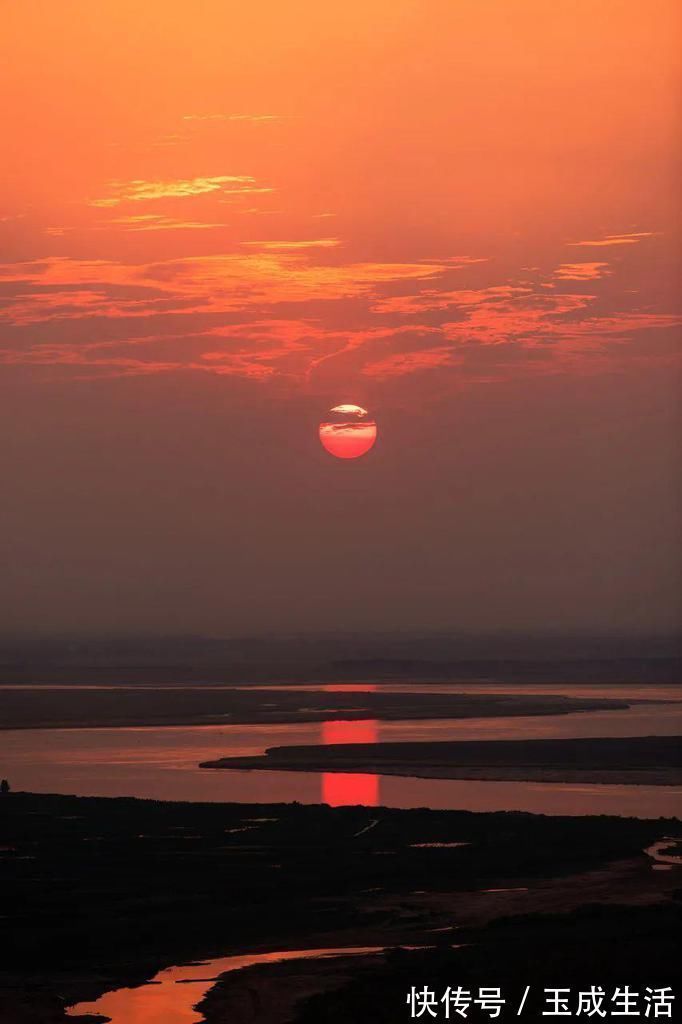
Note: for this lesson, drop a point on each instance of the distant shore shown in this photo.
(119, 706)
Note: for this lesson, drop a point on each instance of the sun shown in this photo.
(348, 431)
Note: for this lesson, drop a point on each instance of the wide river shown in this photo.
(162, 762)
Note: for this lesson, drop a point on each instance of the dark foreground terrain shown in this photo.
(99, 893)
(605, 946)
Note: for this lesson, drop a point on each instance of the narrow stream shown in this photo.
(662, 853)
(171, 995)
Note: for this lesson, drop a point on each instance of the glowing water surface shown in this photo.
(171, 995)
(162, 762)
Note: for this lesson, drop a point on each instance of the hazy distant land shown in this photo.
(341, 657)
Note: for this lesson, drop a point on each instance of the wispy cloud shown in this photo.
(180, 188)
(632, 238)
(581, 271)
(203, 284)
(284, 246)
(155, 222)
(431, 300)
(278, 308)
(401, 364)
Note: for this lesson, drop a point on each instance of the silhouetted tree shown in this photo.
(4, 786)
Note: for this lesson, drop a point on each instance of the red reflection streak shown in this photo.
(341, 789)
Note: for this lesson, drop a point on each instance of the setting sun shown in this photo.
(348, 431)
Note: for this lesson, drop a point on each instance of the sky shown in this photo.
(219, 221)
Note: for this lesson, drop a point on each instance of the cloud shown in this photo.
(156, 222)
(539, 320)
(282, 246)
(581, 271)
(630, 239)
(219, 283)
(348, 429)
(180, 188)
(274, 309)
(345, 409)
(403, 363)
(505, 330)
(433, 299)
(192, 297)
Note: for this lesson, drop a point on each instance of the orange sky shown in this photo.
(218, 220)
(321, 192)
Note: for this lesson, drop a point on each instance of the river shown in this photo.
(171, 995)
(162, 762)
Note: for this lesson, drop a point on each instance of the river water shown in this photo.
(171, 995)
(162, 762)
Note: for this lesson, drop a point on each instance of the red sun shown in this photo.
(348, 431)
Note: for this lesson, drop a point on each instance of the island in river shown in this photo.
(637, 760)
